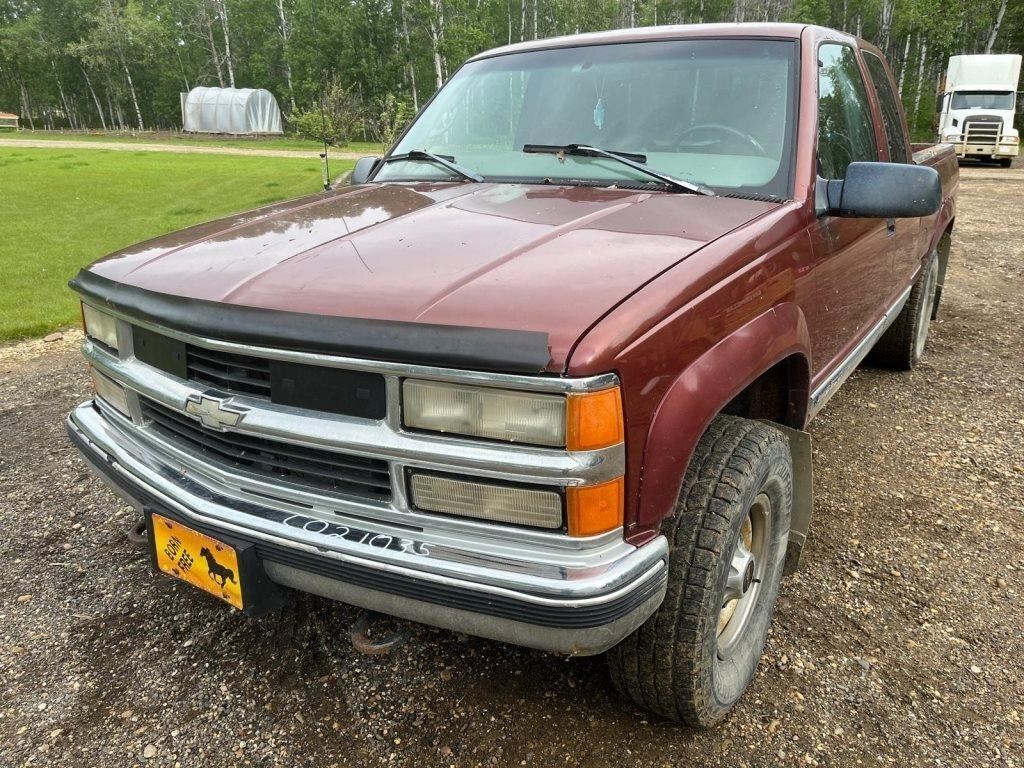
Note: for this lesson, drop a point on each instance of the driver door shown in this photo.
(853, 269)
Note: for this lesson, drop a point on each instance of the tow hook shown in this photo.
(368, 646)
(138, 534)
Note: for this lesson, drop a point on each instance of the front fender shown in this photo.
(705, 387)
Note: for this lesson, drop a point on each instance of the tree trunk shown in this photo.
(903, 63)
(222, 14)
(63, 98)
(135, 99)
(206, 25)
(534, 19)
(888, 6)
(436, 36)
(285, 35)
(410, 64)
(995, 27)
(26, 109)
(920, 84)
(115, 117)
(95, 98)
(508, 5)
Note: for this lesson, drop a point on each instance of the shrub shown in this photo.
(337, 120)
(386, 118)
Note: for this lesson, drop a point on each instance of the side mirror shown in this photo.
(365, 167)
(884, 191)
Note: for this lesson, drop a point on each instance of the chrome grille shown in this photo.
(315, 468)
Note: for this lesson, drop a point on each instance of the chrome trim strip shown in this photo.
(527, 572)
(824, 391)
(382, 439)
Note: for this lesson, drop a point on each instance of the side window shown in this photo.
(894, 136)
(845, 131)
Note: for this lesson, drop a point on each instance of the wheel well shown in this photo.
(779, 394)
(942, 250)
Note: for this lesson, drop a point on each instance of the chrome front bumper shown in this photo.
(990, 149)
(567, 597)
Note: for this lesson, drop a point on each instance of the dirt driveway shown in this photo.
(900, 643)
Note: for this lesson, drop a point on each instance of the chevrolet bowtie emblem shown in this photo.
(214, 412)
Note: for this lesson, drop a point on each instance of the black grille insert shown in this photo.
(316, 468)
(228, 371)
(316, 387)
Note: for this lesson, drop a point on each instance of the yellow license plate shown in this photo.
(198, 559)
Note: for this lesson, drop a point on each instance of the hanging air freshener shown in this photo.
(599, 113)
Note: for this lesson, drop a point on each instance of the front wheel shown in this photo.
(1005, 162)
(693, 659)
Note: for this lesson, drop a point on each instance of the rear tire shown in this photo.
(694, 658)
(902, 345)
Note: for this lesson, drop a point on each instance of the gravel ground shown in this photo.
(899, 643)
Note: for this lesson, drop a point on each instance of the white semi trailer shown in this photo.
(976, 106)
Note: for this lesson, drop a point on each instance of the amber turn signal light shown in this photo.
(595, 509)
(594, 420)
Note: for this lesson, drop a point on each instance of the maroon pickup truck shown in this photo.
(540, 373)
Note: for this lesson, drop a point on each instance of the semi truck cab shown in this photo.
(976, 106)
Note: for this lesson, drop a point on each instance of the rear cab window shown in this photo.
(846, 131)
(888, 103)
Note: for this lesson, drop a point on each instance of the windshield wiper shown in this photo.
(445, 161)
(632, 160)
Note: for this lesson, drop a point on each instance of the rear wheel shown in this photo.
(695, 656)
(902, 345)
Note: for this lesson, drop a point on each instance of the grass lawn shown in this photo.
(61, 210)
(178, 139)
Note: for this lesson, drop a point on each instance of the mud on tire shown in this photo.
(672, 664)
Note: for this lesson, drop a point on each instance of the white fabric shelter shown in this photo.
(230, 110)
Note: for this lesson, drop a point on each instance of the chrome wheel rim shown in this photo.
(927, 307)
(747, 567)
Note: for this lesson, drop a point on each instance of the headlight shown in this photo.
(485, 501)
(100, 326)
(518, 417)
(578, 422)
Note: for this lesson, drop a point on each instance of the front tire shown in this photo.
(694, 658)
(1005, 162)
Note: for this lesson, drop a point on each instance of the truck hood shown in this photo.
(519, 257)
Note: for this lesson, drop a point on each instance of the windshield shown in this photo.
(983, 100)
(715, 112)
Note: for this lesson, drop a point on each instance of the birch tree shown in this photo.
(286, 32)
(221, 7)
(436, 24)
(995, 27)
